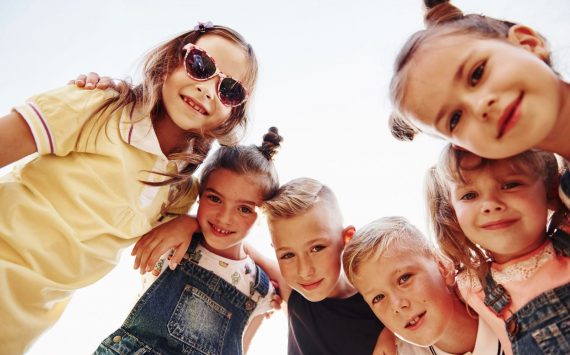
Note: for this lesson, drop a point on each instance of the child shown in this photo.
(326, 314)
(109, 168)
(410, 286)
(489, 216)
(217, 297)
(494, 93)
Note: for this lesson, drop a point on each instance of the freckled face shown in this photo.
(194, 105)
(489, 96)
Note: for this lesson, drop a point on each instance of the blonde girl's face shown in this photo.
(493, 97)
(227, 209)
(410, 293)
(503, 211)
(195, 105)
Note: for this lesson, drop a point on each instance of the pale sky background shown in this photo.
(324, 72)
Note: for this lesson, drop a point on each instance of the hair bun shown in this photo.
(271, 143)
(440, 11)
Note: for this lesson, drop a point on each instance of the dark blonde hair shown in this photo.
(297, 197)
(157, 65)
(451, 168)
(248, 160)
(441, 19)
(384, 235)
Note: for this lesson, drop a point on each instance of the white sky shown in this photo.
(324, 73)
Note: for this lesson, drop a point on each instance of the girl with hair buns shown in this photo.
(109, 167)
(214, 301)
(483, 84)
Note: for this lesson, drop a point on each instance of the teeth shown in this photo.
(414, 321)
(221, 231)
(193, 105)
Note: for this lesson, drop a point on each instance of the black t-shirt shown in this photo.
(331, 326)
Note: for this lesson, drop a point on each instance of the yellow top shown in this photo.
(67, 213)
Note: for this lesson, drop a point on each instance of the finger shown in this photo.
(80, 80)
(178, 255)
(104, 83)
(147, 257)
(91, 80)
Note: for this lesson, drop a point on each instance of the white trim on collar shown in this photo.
(139, 132)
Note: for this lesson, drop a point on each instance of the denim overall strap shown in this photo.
(497, 298)
(261, 282)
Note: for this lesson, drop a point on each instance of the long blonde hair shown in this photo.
(147, 97)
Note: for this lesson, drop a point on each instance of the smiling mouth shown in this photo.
(500, 224)
(510, 116)
(414, 321)
(194, 105)
(311, 286)
(220, 231)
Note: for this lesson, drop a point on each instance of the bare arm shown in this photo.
(250, 331)
(16, 137)
(386, 343)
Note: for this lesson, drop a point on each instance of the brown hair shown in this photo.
(441, 19)
(157, 65)
(248, 160)
(451, 168)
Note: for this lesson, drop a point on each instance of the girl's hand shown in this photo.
(174, 234)
(386, 343)
(93, 81)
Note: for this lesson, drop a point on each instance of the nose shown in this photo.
(492, 204)
(207, 88)
(399, 303)
(305, 267)
(483, 105)
(224, 215)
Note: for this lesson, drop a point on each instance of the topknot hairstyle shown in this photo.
(248, 160)
(441, 18)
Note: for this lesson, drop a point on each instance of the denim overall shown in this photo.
(542, 326)
(189, 310)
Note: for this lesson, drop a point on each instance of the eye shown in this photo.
(286, 256)
(454, 120)
(510, 185)
(469, 196)
(377, 298)
(404, 278)
(477, 74)
(214, 198)
(317, 248)
(245, 209)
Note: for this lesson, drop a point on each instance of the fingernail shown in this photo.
(89, 85)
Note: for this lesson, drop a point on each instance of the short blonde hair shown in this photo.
(298, 196)
(383, 235)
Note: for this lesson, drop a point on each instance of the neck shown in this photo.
(461, 333)
(343, 288)
(172, 138)
(557, 140)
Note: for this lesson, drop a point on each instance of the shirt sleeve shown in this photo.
(57, 117)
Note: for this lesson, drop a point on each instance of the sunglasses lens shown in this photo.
(199, 65)
(232, 93)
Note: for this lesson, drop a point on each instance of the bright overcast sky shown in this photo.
(324, 73)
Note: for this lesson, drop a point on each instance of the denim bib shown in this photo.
(542, 326)
(189, 310)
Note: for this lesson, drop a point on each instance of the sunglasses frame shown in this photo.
(188, 47)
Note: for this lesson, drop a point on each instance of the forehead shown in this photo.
(318, 222)
(230, 58)
(383, 265)
(236, 187)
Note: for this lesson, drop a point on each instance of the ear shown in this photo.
(348, 233)
(446, 270)
(530, 40)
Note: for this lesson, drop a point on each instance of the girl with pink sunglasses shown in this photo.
(106, 167)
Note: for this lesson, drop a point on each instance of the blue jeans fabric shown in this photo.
(189, 310)
(542, 326)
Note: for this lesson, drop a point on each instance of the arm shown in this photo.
(16, 137)
(250, 331)
(176, 233)
(271, 267)
(386, 343)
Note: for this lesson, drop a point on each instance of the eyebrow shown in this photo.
(247, 202)
(456, 78)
